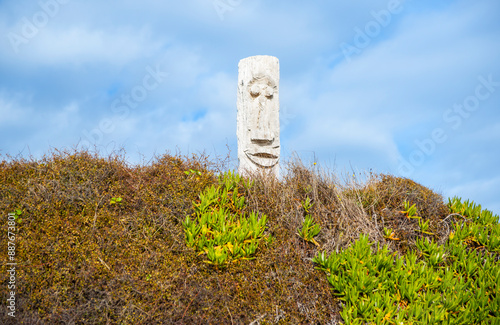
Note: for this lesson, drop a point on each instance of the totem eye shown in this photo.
(255, 90)
(269, 92)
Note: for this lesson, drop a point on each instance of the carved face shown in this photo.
(263, 122)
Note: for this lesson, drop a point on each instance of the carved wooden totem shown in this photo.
(258, 126)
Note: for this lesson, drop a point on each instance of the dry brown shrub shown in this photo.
(83, 260)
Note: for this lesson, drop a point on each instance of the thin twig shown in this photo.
(229, 313)
(184, 314)
(257, 321)
(95, 213)
(103, 263)
(455, 214)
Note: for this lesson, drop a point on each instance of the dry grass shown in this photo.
(83, 260)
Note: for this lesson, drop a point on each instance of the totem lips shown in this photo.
(263, 153)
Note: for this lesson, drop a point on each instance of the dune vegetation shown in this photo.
(183, 240)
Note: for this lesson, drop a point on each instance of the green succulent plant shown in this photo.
(455, 283)
(309, 230)
(220, 228)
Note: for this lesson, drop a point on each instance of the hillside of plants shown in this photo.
(185, 240)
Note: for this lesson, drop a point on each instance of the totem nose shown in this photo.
(262, 138)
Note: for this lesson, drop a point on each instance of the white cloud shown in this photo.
(11, 112)
(64, 120)
(183, 64)
(218, 92)
(79, 45)
(488, 133)
(482, 191)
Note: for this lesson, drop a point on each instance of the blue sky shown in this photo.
(410, 88)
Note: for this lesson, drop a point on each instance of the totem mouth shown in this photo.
(263, 158)
(263, 142)
(265, 155)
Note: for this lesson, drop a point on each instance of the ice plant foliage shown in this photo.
(410, 211)
(455, 283)
(309, 228)
(221, 228)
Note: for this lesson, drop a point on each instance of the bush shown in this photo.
(100, 241)
(458, 283)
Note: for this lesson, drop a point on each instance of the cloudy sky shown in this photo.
(410, 88)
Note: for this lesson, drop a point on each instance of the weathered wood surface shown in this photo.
(258, 127)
